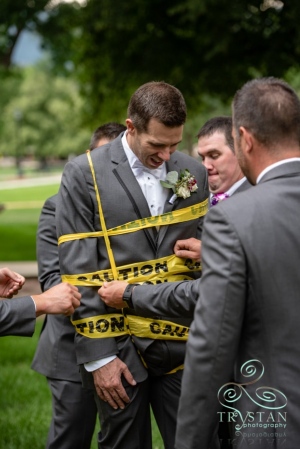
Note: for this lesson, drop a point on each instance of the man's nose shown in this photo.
(207, 164)
(165, 154)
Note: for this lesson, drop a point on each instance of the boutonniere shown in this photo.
(183, 185)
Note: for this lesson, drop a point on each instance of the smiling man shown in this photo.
(225, 178)
(111, 226)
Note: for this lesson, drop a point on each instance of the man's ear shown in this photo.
(130, 126)
(247, 139)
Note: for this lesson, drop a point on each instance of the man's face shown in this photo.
(219, 160)
(155, 146)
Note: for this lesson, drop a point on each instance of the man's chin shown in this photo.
(213, 188)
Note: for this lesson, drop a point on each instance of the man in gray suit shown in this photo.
(74, 409)
(225, 178)
(18, 315)
(115, 220)
(247, 315)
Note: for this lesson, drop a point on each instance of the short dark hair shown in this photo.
(222, 124)
(270, 109)
(109, 130)
(157, 100)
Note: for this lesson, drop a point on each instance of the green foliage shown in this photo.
(42, 118)
(15, 17)
(209, 47)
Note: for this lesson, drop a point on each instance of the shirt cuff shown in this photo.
(33, 302)
(95, 364)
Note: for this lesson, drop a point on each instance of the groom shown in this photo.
(225, 178)
(115, 220)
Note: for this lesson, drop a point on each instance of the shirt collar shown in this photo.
(137, 167)
(128, 151)
(234, 187)
(270, 167)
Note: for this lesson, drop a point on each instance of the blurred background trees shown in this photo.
(42, 116)
(97, 52)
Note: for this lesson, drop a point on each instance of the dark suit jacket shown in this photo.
(17, 316)
(248, 309)
(55, 353)
(77, 211)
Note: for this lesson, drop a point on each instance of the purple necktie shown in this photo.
(216, 198)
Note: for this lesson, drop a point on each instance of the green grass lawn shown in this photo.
(19, 220)
(25, 399)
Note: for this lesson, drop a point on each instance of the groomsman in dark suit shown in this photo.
(74, 410)
(18, 315)
(247, 314)
(225, 178)
(116, 220)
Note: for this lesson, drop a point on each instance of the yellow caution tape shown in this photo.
(116, 325)
(177, 216)
(166, 269)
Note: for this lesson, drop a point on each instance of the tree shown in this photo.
(17, 16)
(44, 118)
(210, 46)
(207, 48)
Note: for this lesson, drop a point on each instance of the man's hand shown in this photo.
(10, 283)
(109, 387)
(112, 293)
(188, 249)
(60, 299)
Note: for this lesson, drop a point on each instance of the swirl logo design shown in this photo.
(265, 397)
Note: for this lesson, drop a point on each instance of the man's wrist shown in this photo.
(96, 364)
(127, 295)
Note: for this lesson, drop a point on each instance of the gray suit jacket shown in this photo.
(17, 316)
(55, 353)
(176, 298)
(248, 309)
(77, 211)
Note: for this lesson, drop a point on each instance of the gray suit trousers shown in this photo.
(74, 416)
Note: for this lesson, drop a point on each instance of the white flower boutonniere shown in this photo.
(183, 185)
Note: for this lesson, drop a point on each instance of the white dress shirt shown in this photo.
(149, 180)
